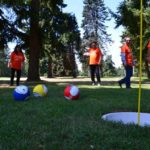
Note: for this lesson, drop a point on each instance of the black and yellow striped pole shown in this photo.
(140, 67)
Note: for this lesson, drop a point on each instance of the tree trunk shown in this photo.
(73, 62)
(50, 68)
(34, 51)
(147, 69)
(65, 63)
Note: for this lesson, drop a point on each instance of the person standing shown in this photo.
(127, 60)
(148, 52)
(16, 64)
(95, 56)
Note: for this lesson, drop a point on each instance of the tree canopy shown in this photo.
(40, 27)
(128, 15)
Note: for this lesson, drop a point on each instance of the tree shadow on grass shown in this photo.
(68, 80)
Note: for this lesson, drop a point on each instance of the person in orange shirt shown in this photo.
(148, 52)
(95, 56)
(127, 60)
(16, 63)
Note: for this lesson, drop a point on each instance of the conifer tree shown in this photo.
(95, 15)
(128, 15)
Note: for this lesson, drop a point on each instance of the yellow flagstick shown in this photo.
(140, 68)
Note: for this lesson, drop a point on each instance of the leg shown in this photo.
(129, 72)
(122, 81)
(97, 71)
(18, 77)
(12, 76)
(92, 72)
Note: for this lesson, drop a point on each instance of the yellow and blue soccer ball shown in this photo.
(40, 90)
(21, 93)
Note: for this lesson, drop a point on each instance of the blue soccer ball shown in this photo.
(21, 93)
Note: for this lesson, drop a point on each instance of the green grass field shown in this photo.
(54, 123)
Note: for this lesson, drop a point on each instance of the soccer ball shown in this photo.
(71, 92)
(40, 90)
(21, 93)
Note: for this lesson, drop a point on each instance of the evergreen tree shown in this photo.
(128, 15)
(31, 22)
(109, 67)
(61, 45)
(95, 14)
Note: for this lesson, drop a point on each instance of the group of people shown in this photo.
(95, 56)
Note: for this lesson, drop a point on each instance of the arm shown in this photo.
(123, 55)
(148, 55)
(9, 65)
(123, 58)
(86, 53)
(100, 55)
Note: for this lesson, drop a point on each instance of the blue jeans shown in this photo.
(126, 79)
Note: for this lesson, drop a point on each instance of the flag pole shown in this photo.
(140, 67)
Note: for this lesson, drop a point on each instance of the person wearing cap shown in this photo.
(127, 60)
(148, 52)
(16, 63)
(95, 57)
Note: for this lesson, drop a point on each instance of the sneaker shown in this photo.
(120, 84)
(93, 83)
(98, 84)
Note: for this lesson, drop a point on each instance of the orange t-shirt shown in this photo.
(128, 54)
(148, 46)
(16, 60)
(95, 56)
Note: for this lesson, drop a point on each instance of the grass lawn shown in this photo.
(54, 123)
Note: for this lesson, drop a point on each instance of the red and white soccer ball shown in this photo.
(71, 92)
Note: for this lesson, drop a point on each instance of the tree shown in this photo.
(128, 15)
(109, 67)
(72, 43)
(35, 42)
(95, 14)
(61, 44)
(26, 25)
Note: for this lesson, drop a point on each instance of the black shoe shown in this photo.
(128, 87)
(120, 84)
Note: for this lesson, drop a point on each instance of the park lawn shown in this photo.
(54, 123)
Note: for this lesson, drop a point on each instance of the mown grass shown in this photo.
(54, 123)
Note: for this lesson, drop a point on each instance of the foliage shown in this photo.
(109, 67)
(95, 14)
(128, 15)
(56, 32)
(65, 43)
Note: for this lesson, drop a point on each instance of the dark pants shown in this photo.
(94, 69)
(126, 79)
(13, 74)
